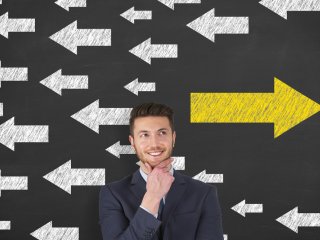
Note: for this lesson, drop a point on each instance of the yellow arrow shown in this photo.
(285, 107)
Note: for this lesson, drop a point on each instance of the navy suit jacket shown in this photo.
(191, 211)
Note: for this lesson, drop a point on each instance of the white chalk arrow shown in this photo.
(64, 177)
(117, 149)
(56, 82)
(13, 74)
(92, 116)
(5, 225)
(131, 15)
(170, 3)
(11, 134)
(66, 4)
(1, 109)
(13, 183)
(293, 219)
(208, 25)
(282, 7)
(178, 163)
(135, 86)
(242, 208)
(71, 37)
(209, 178)
(146, 51)
(15, 25)
(47, 232)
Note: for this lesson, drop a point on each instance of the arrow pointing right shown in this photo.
(13, 74)
(146, 51)
(285, 108)
(209, 178)
(135, 86)
(47, 232)
(66, 4)
(293, 219)
(56, 82)
(208, 25)
(242, 208)
(131, 15)
(13, 183)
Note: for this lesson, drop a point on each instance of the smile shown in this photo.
(154, 154)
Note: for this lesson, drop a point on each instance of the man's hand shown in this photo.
(158, 185)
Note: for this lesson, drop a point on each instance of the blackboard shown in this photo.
(281, 173)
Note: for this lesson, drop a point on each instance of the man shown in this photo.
(156, 201)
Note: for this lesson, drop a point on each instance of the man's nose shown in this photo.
(154, 141)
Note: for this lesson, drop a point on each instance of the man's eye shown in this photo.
(163, 132)
(144, 135)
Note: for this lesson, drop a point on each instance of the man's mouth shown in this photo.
(155, 154)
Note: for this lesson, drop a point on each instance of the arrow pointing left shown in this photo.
(293, 219)
(47, 232)
(56, 82)
(131, 15)
(146, 51)
(93, 116)
(5, 225)
(15, 25)
(66, 4)
(135, 86)
(71, 37)
(209, 178)
(13, 183)
(64, 177)
(242, 208)
(13, 74)
(11, 134)
(208, 25)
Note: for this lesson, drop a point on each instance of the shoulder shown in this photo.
(117, 185)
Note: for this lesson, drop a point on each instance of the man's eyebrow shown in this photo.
(161, 129)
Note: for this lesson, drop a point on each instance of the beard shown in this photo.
(145, 157)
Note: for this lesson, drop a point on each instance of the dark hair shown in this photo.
(151, 109)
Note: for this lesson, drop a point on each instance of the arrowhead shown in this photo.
(239, 208)
(202, 25)
(115, 149)
(290, 107)
(4, 23)
(200, 175)
(279, 7)
(143, 50)
(89, 116)
(63, 3)
(53, 82)
(8, 133)
(290, 219)
(132, 86)
(67, 38)
(168, 3)
(42, 232)
(61, 177)
(129, 15)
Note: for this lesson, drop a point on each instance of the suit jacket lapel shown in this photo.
(138, 186)
(173, 197)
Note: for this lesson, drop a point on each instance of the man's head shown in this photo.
(152, 132)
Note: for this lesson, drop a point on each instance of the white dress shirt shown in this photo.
(145, 176)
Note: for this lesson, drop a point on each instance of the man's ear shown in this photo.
(173, 138)
(131, 140)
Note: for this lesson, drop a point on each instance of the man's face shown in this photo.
(152, 139)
